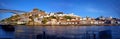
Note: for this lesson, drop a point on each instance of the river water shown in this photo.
(62, 32)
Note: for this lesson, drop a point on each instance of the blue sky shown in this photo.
(92, 8)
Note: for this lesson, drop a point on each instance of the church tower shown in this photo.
(35, 10)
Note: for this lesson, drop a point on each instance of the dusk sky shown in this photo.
(92, 8)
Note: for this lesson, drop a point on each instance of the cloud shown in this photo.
(94, 10)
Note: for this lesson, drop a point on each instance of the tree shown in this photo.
(67, 17)
(2, 20)
(59, 13)
(44, 21)
(53, 17)
(31, 18)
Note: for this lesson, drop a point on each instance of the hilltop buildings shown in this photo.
(38, 17)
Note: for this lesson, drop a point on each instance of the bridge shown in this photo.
(11, 11)
(18, 12)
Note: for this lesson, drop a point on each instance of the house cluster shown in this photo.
(41, 17)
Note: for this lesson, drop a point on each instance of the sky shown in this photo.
(83, 8)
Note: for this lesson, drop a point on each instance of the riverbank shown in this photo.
(69, 25)
(77, 25)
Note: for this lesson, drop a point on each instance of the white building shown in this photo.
(38, 20)
(53, 21)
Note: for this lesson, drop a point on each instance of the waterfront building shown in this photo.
(100, 22)
(19, 22)
(83, 22)
(39, 15)
(53, 21)
(107, 22)
(118, 22)
(84, 18)
(101, 18)
(38, 20)
(96, 22)
(68, 19)
(92, 22)
(23, 21)
(47, 16)
(113, 21)
(70, 22)
(51, 14)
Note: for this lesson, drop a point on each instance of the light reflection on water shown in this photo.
(30, 32)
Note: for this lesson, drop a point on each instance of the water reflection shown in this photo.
(67, 32)
(8, 28)
(6, 32)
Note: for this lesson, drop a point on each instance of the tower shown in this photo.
(35, 10)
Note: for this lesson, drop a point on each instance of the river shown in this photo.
(62, 32)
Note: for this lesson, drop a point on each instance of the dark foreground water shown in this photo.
(62, 32)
